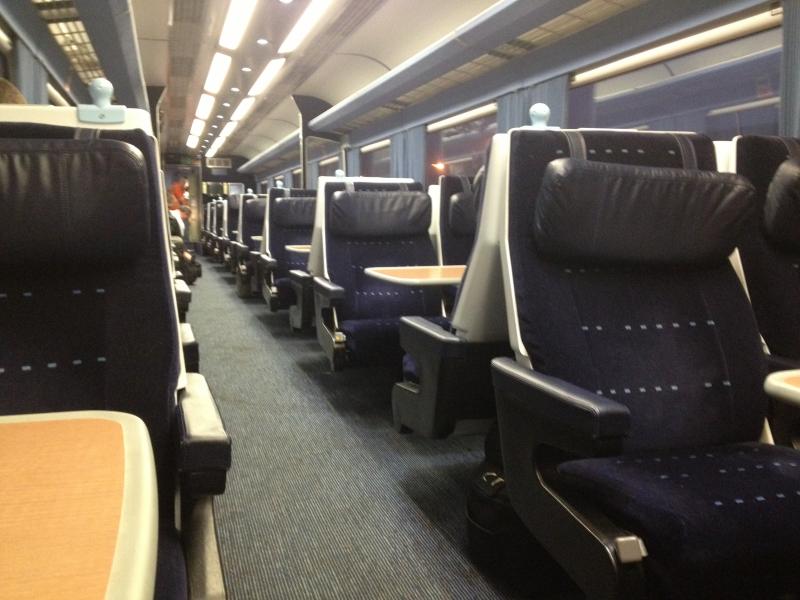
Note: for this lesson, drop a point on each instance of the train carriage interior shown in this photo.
(377, 299)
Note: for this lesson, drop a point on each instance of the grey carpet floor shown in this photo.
(325, 499)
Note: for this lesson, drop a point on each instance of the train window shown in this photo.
(328, 166)
(280, 179)
(296, 175)
(376, 159)
(724, 90)
(457, 145)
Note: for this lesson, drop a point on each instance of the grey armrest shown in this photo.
(301, 277)
(327, 288)
(418, 334)
(205, 446)
(183, 292)
(563, 415)
(267, 262)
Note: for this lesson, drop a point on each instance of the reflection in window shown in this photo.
(328, 166)
(376, 160)
(723, 91)
(458, 150)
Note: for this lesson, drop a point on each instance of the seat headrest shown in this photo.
(301, 193)
(610, 213)
(379, 214)
(782, 207)
(72, 202)
(462, 214)
(293, 212)
(254, 208)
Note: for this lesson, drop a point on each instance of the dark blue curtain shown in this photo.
(512, 108)
(790, 77)
(353, 162)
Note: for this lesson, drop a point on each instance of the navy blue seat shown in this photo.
(771, 249)
(301, 311)
(88, 317)
(290, 217)
(219, 230)
(366, 229)
(247, 248)
(458, 217)
(447, 378)
(645, 404)
(230, 233)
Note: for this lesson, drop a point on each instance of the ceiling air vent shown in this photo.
(218, 163)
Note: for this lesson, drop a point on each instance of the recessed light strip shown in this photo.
(215, 147)
(470, 115)
(685, 45)
(375, 146)
(205, 106)
(267, 75)
(236, 21)
(310, 17)
(228, 129)
(243, 108)
(192, 141)
(217, 72)
(198, 126)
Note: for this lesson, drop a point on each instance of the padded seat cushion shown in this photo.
(378, 340)
(72, 202)
(782, 207)
(171, 580)
(379, 214)
(606, 213)
(703, 512)
(293, 212)
(463, 214)
(286, 295)
(410, 369)
(373, 340)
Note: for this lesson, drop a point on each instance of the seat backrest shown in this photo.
(88, 318)
(232, 219)
(457, 218)
(251, 219)
(620, 281)
(771, 261)
(219, 222)
(290, 221)
(368, 229)
(327, 187)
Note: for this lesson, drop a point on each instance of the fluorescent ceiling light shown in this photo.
(55, 96)
(311, 15)
(726, 110)
(205, 106)
(262, 41)
(215, 146)
(192, 141)
(228, 129)
(198, 125)
(236, 21)
(685, 45)
(376, 146)
(6, 44)
(470, 115)
(329, 161)
(243, 108)
(217, 72)
(266, 77)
